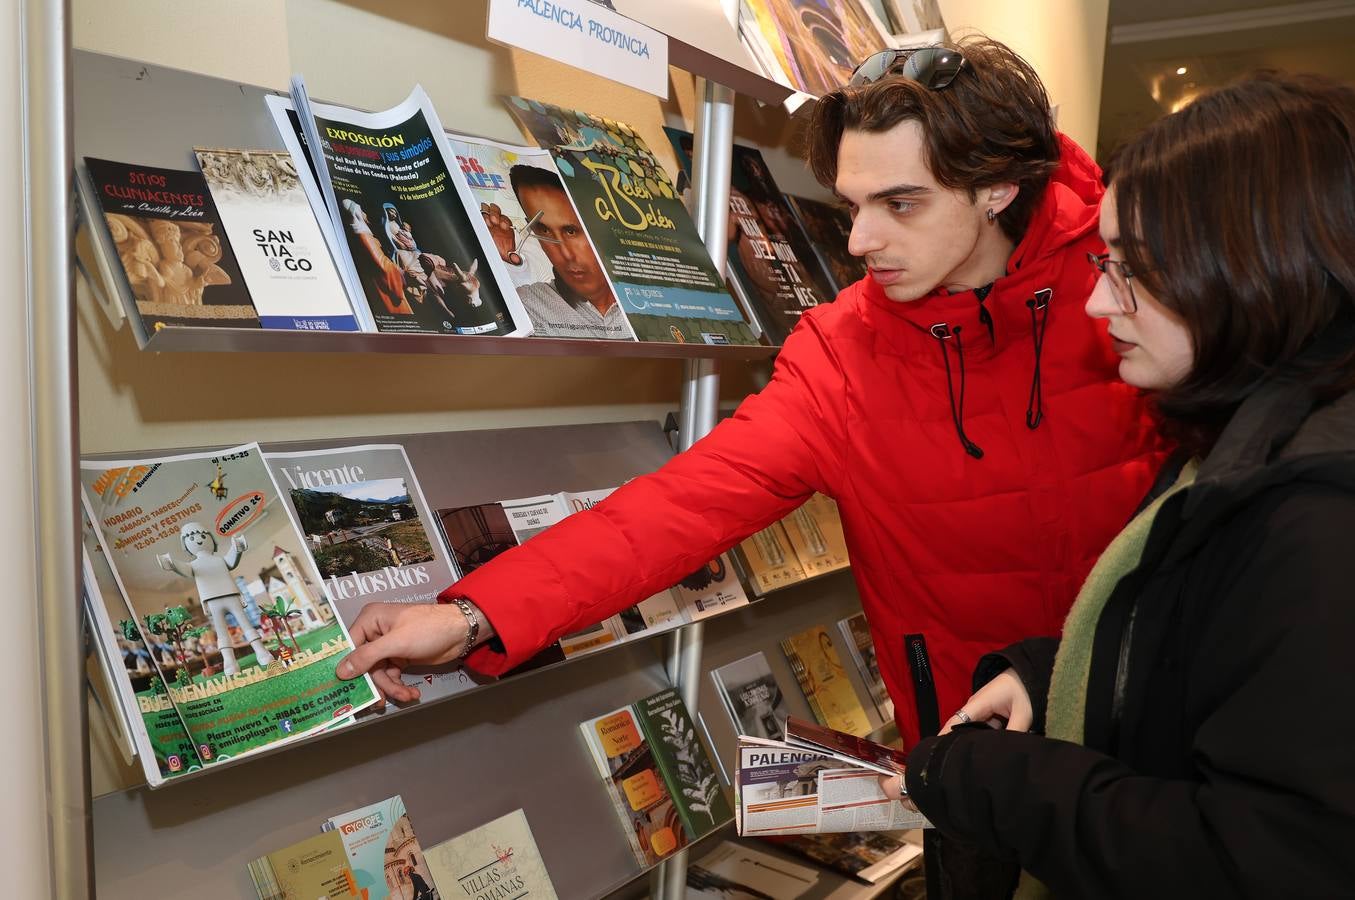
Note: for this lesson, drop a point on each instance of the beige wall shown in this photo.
(1065, 40)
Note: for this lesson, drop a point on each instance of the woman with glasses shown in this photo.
(1188, 736)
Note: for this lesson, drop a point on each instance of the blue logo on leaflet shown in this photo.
(285, 725)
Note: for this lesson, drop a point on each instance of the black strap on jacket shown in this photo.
(943, 332)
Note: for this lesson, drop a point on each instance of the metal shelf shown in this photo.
(259, 340)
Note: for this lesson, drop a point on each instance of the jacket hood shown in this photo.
(1280, 434)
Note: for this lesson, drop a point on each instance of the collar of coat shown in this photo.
(1282, 433)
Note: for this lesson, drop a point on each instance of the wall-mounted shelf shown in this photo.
(260, 340)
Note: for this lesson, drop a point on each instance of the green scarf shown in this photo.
(1066, 712)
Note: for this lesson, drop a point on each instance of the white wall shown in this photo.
(23, 836)
(1065, 40)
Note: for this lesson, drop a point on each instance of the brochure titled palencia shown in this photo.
(817, 780)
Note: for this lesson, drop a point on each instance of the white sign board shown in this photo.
(585, 35)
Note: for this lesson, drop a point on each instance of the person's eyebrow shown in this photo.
(899, 190)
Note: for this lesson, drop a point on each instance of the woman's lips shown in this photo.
(1121, 347)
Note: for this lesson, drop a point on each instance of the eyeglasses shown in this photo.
(1120, 276)
(932, 67)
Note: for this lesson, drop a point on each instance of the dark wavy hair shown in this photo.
(991, 125)
(1238, 214)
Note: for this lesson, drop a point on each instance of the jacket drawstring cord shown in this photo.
(1038, 323)
(943, 332)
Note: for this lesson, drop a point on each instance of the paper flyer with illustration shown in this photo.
(768, 252)
(204, 550)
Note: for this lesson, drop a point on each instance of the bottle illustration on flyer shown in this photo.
(667, 284)
(541, 239)
(168, 236)
(209, 561)
(398, 214)
(370, 531)
(276, 239)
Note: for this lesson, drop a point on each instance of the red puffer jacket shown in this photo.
(968, 528)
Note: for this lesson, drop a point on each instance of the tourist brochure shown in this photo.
(372, 535)
(384, 852)
(817, 780)
(658, 264)
(223, 597)
(175, 262)
(314, 869)
(277, 241)
(497, 861)
(396, 211)
(540, 238)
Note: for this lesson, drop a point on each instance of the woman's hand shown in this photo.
(1002, 703)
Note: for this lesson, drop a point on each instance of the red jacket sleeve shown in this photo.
(781, 445)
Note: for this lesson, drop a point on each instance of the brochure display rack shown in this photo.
(458, 763)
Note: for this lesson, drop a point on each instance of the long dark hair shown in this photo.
(1238, 214)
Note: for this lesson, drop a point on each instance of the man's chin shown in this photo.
(903, 293)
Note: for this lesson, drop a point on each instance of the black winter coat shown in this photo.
(1219, 755)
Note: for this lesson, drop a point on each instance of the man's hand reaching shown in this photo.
(391, 637)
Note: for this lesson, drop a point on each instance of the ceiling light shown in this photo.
(1181, 70)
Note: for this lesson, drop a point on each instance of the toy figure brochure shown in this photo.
(157, 733)
(212, 567)
(397, 212)
(541, 240)
(658, 264)
(372, 535)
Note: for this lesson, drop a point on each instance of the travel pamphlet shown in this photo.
(818, 668)
(818, 780)
(769, 254)
(498, 860)
(384, 852)
(372, 535)
(752, 696)
(164, 229)
(396, 212)
(276, 240)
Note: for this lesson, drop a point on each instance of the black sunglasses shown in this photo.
(932, 67)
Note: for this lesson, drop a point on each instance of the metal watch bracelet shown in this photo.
(472, 625)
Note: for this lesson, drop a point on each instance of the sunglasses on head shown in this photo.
(931, 67)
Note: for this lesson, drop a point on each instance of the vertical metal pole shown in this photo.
(713, 148)
(51, 299)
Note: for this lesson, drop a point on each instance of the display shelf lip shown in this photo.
(269, 340)
(364, 721)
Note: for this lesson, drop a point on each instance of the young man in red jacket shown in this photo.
(957, 403)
